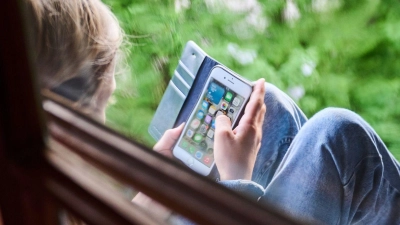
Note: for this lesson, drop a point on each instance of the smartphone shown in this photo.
(224, 93)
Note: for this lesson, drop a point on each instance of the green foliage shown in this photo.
(342, 54)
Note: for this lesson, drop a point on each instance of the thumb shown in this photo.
(223, 125)
(169, 139)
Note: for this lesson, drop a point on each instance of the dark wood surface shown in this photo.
(21, 127)
(171, 184)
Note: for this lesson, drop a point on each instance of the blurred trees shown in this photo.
(321, 52)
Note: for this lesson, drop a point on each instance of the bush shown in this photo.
(323, 53)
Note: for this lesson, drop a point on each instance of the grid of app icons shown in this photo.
(199, 137)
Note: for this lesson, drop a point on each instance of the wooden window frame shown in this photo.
(35, 181)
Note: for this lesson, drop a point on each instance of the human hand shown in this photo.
(168, 140)
(235, 151)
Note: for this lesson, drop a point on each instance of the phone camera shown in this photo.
(224, 77)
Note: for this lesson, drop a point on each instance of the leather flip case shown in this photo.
(183, 90)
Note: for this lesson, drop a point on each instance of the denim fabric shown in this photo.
(282, 122)
(332, 169)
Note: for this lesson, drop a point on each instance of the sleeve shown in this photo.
(247, 188)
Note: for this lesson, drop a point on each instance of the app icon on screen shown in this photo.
(231, 112)
(198, 138)
(190, 133)
(213, 124)
(203, 129)
(224, 105)
(185, 144)
(203, 145)
(207, 160)
(212, 109)
(236, 101)
(198, 155)
(205, 105)
(200, 114)
(219, 113)
(215, 93)
(195, 124)
(210, 133)
(208, 119)
(192, 149)
(228, 96)
(230, 115)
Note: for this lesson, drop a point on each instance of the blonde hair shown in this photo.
(75, 38)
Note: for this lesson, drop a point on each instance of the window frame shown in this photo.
(36, 182)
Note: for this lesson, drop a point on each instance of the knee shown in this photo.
(342, 136)
(340, 125)
(282, 110)
(272, 93)
(275, 98)
(338, 116)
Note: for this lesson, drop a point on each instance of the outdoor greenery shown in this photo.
(321, 52)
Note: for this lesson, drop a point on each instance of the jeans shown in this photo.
(331, 169)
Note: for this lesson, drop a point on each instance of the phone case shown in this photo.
(183, 90)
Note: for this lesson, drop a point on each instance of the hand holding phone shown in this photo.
(236, 151)
(167, 142)
(225, 93)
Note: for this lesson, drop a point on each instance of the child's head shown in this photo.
(76, 42)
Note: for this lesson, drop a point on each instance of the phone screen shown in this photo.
(198, 138)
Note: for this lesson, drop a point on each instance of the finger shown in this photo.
(254, 107)
(223, 127)
(256, 100)
(169, 139)
(261, 114)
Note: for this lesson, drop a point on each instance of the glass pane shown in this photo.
(277, 41)
(314, 54)
(300, 47)
(320, 53)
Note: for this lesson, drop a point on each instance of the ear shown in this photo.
(104, 91)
